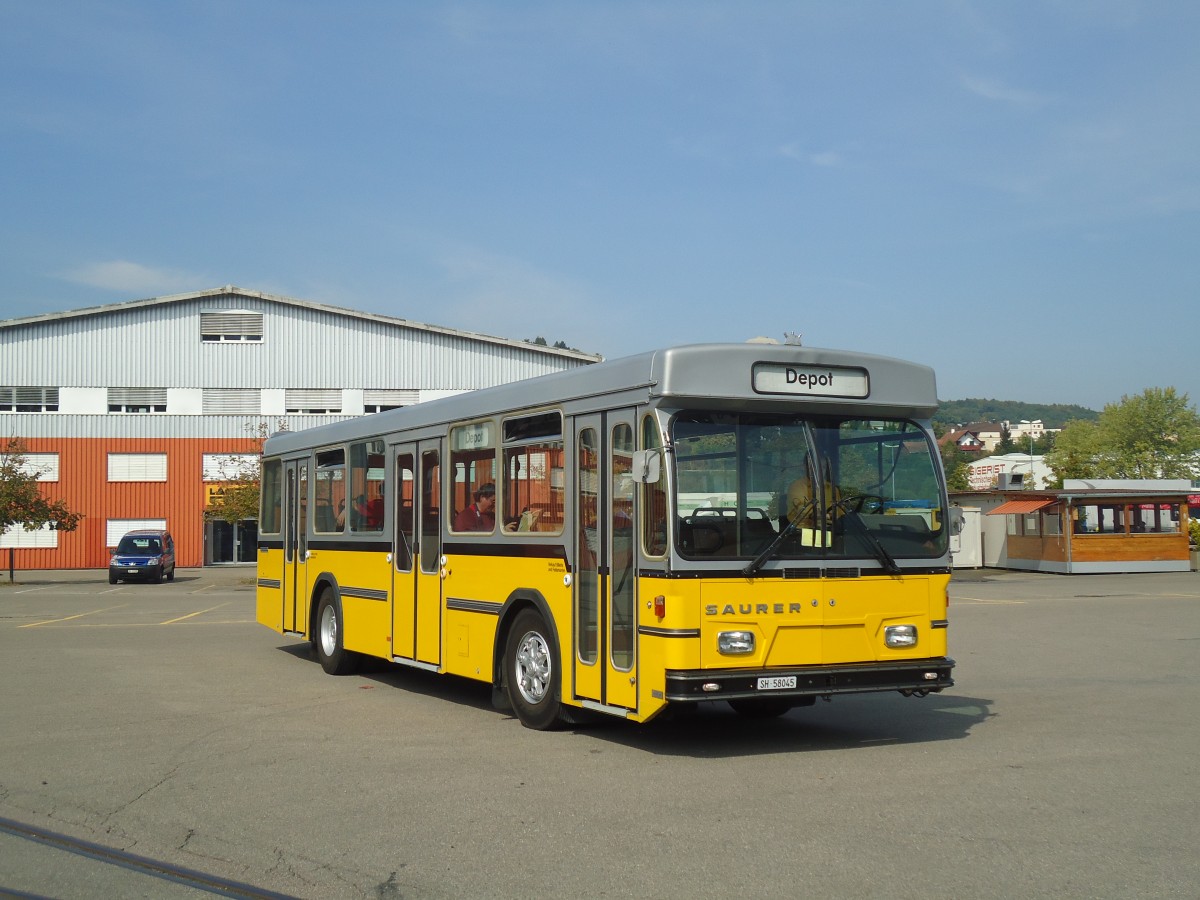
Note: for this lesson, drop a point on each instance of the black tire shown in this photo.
(171, 576)
(112, 579)
(161, 576)
(531, 672)
(327, 638)
(768, 707)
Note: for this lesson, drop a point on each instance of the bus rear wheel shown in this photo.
(333, 656)
(531, 673)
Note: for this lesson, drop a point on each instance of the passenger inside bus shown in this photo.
(368, 513)
(480, 515)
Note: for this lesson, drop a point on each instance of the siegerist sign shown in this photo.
(822, 381)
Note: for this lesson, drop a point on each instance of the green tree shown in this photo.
(21, 500)
(1075, 451)
(959, 478)
(1155, 434)
(1006, 443)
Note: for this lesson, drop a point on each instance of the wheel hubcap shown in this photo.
(328, 631)
(533, 668)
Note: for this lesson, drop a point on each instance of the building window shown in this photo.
(42, 466)
(231, 401)
(16, 537)
(137, 400)
(234, 325)
(379, 401)
(137, 467)
(115, 529)
(317, 401)
(229, 466)
(28, 399)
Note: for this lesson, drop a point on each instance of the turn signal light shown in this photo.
(660, 606)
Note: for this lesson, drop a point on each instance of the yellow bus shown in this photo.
(756, 524)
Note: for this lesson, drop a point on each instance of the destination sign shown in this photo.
(472, 437)
(819, 381)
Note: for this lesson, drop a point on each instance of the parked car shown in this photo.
(143, 556)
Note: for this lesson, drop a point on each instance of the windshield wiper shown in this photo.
(755, 564)
(877, 549)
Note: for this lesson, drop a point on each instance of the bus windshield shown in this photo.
(792, 487)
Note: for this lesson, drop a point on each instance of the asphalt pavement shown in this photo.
(161, 722)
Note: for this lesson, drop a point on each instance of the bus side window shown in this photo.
(473, 468)
(405, 482)
(330, 490)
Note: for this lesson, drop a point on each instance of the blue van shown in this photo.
(143, 556)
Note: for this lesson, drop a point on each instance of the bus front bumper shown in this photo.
(911, 676)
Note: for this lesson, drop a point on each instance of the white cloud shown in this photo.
(990, 89)
(823, 159)
(133, 278)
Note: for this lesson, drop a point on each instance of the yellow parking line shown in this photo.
(69, 618)
(197, 613)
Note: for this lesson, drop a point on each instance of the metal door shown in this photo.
(605, 583)
(428, 623)
(404, 546)
(295, 546)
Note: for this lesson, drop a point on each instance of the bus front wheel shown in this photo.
(333, 656)
(531, 675)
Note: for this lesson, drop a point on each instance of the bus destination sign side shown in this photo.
(821, 381)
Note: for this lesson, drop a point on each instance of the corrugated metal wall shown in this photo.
(148, 425)
(156, 344)
(83, 483)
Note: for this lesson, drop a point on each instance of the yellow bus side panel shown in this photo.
(268, 601)
(366, 620)
(678, 648)
(470, 636)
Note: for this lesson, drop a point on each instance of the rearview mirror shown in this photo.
(647, 466)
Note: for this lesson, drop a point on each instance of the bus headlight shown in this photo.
(900, 635)
(735, 643)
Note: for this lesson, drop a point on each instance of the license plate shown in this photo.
(132, 571)
(777, 683)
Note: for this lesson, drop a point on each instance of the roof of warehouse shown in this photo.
(231, 290)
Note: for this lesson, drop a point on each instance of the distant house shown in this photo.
(1086, 527)
(978, 437)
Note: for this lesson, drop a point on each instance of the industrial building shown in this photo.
(135, 412)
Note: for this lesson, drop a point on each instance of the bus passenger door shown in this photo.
(429, 554)
(404, 569)
(621, 662)
(295, 547)
(605, 647)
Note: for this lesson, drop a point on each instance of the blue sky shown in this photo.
(1006, 191)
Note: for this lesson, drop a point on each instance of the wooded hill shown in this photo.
(1053, 415)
